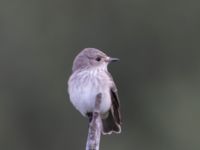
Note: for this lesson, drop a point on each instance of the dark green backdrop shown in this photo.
(158, 42)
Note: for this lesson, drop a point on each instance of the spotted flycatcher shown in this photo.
(89, 78)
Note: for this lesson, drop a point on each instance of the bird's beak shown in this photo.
(110, 59)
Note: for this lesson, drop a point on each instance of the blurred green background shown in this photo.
(157, 42)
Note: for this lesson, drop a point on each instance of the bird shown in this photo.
(90, 76)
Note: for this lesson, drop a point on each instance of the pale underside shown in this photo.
(83, 87)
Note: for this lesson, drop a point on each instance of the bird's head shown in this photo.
(92, 57)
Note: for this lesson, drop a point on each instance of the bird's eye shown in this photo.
(98, 59)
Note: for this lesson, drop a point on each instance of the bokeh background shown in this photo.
(158, 43)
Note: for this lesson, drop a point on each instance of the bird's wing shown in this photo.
(115, 108)
(113, 121)
(115, 104)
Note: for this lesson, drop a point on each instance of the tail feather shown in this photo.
(110, 124)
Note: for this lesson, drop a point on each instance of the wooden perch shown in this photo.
(95, 127)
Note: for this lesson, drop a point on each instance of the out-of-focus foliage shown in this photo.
(158, 43)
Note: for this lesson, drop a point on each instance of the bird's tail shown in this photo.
(110, 123)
